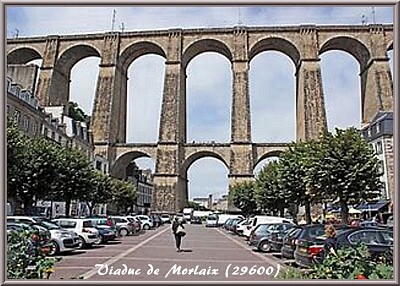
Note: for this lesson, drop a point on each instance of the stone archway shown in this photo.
(60, 85)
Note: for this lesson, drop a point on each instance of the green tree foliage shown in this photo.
(344, 167)
(294, 166)
(243, 197)
(124, 194)
(16, 146)
(101, 189)
(269, 193)
(75, 112)
(350, 263)
(74, 176)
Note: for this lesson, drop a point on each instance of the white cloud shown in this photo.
(272, 81)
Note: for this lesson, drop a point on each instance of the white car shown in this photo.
(212, 220)
(146, 221)
(61, 240)
(165, 218)
(88, 235)
(241, 226)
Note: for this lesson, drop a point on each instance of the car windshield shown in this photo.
(212, 217)
(49, 225)
(262, 228)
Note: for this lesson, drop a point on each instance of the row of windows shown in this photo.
(377, 147)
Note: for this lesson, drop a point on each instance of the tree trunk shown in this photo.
(90, 206)
(307, 206)
(28, 206)
(282, 211)
(67, 207)
(344, 212)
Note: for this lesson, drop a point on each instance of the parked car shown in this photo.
(196, 220)
(309, 241)
(263, 219)
(124, 225)
(146, 221)
(260, 237)
(165, 218)
(227, 223)
(379, 242)
(289, 242)
(212, 220)
(61, 240)
(107, 230)
(232, 226)
(275, 237)
(241, 226)
(258, 233)
(88, 235)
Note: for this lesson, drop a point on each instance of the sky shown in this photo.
(271, 77)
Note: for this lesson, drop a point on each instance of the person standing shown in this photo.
(178, 232)
(330, 242)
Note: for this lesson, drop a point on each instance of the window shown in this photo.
(66, 223)
(378, 129)
(369, 132)
(87, 223)
(17, 116)
(368, 237)
(34, 128)
(379, 147)
(8, 108)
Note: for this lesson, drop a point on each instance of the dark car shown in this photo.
(275, 238)
(196, 220)
(289, 242)
(106, 234)
(232, 226)
(378, 240)
(227, 223)
(308, 244)
(259, 233)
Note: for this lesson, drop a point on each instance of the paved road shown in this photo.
(209, 255)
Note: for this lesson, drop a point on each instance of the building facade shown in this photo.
(379, 133)
(143, 181)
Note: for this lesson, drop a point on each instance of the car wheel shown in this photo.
(146, 227)
(81, 243)
(123, 232)
(54, 248)
(99, 240)
(264, 246)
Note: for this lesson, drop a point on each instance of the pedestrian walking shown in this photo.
(179, 231)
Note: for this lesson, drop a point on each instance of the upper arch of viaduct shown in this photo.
(302, 44)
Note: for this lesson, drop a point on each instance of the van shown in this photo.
(263, 219)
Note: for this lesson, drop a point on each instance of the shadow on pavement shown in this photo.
(186, 250)
(71, 253)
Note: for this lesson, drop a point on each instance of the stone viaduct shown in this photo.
(172, 153)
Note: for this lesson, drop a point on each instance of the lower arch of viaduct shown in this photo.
(302, 44)
(174, 196)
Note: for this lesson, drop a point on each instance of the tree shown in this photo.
(124, 194)
(16, 145)
(75, 112)
(242, 196)
(269, 193)
(101, 190)
(295, 163)
(345, 169)
(74, 176)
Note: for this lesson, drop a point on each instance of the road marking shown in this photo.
(118, 257)
(251, 251)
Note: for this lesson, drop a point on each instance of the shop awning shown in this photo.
(373, 207)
